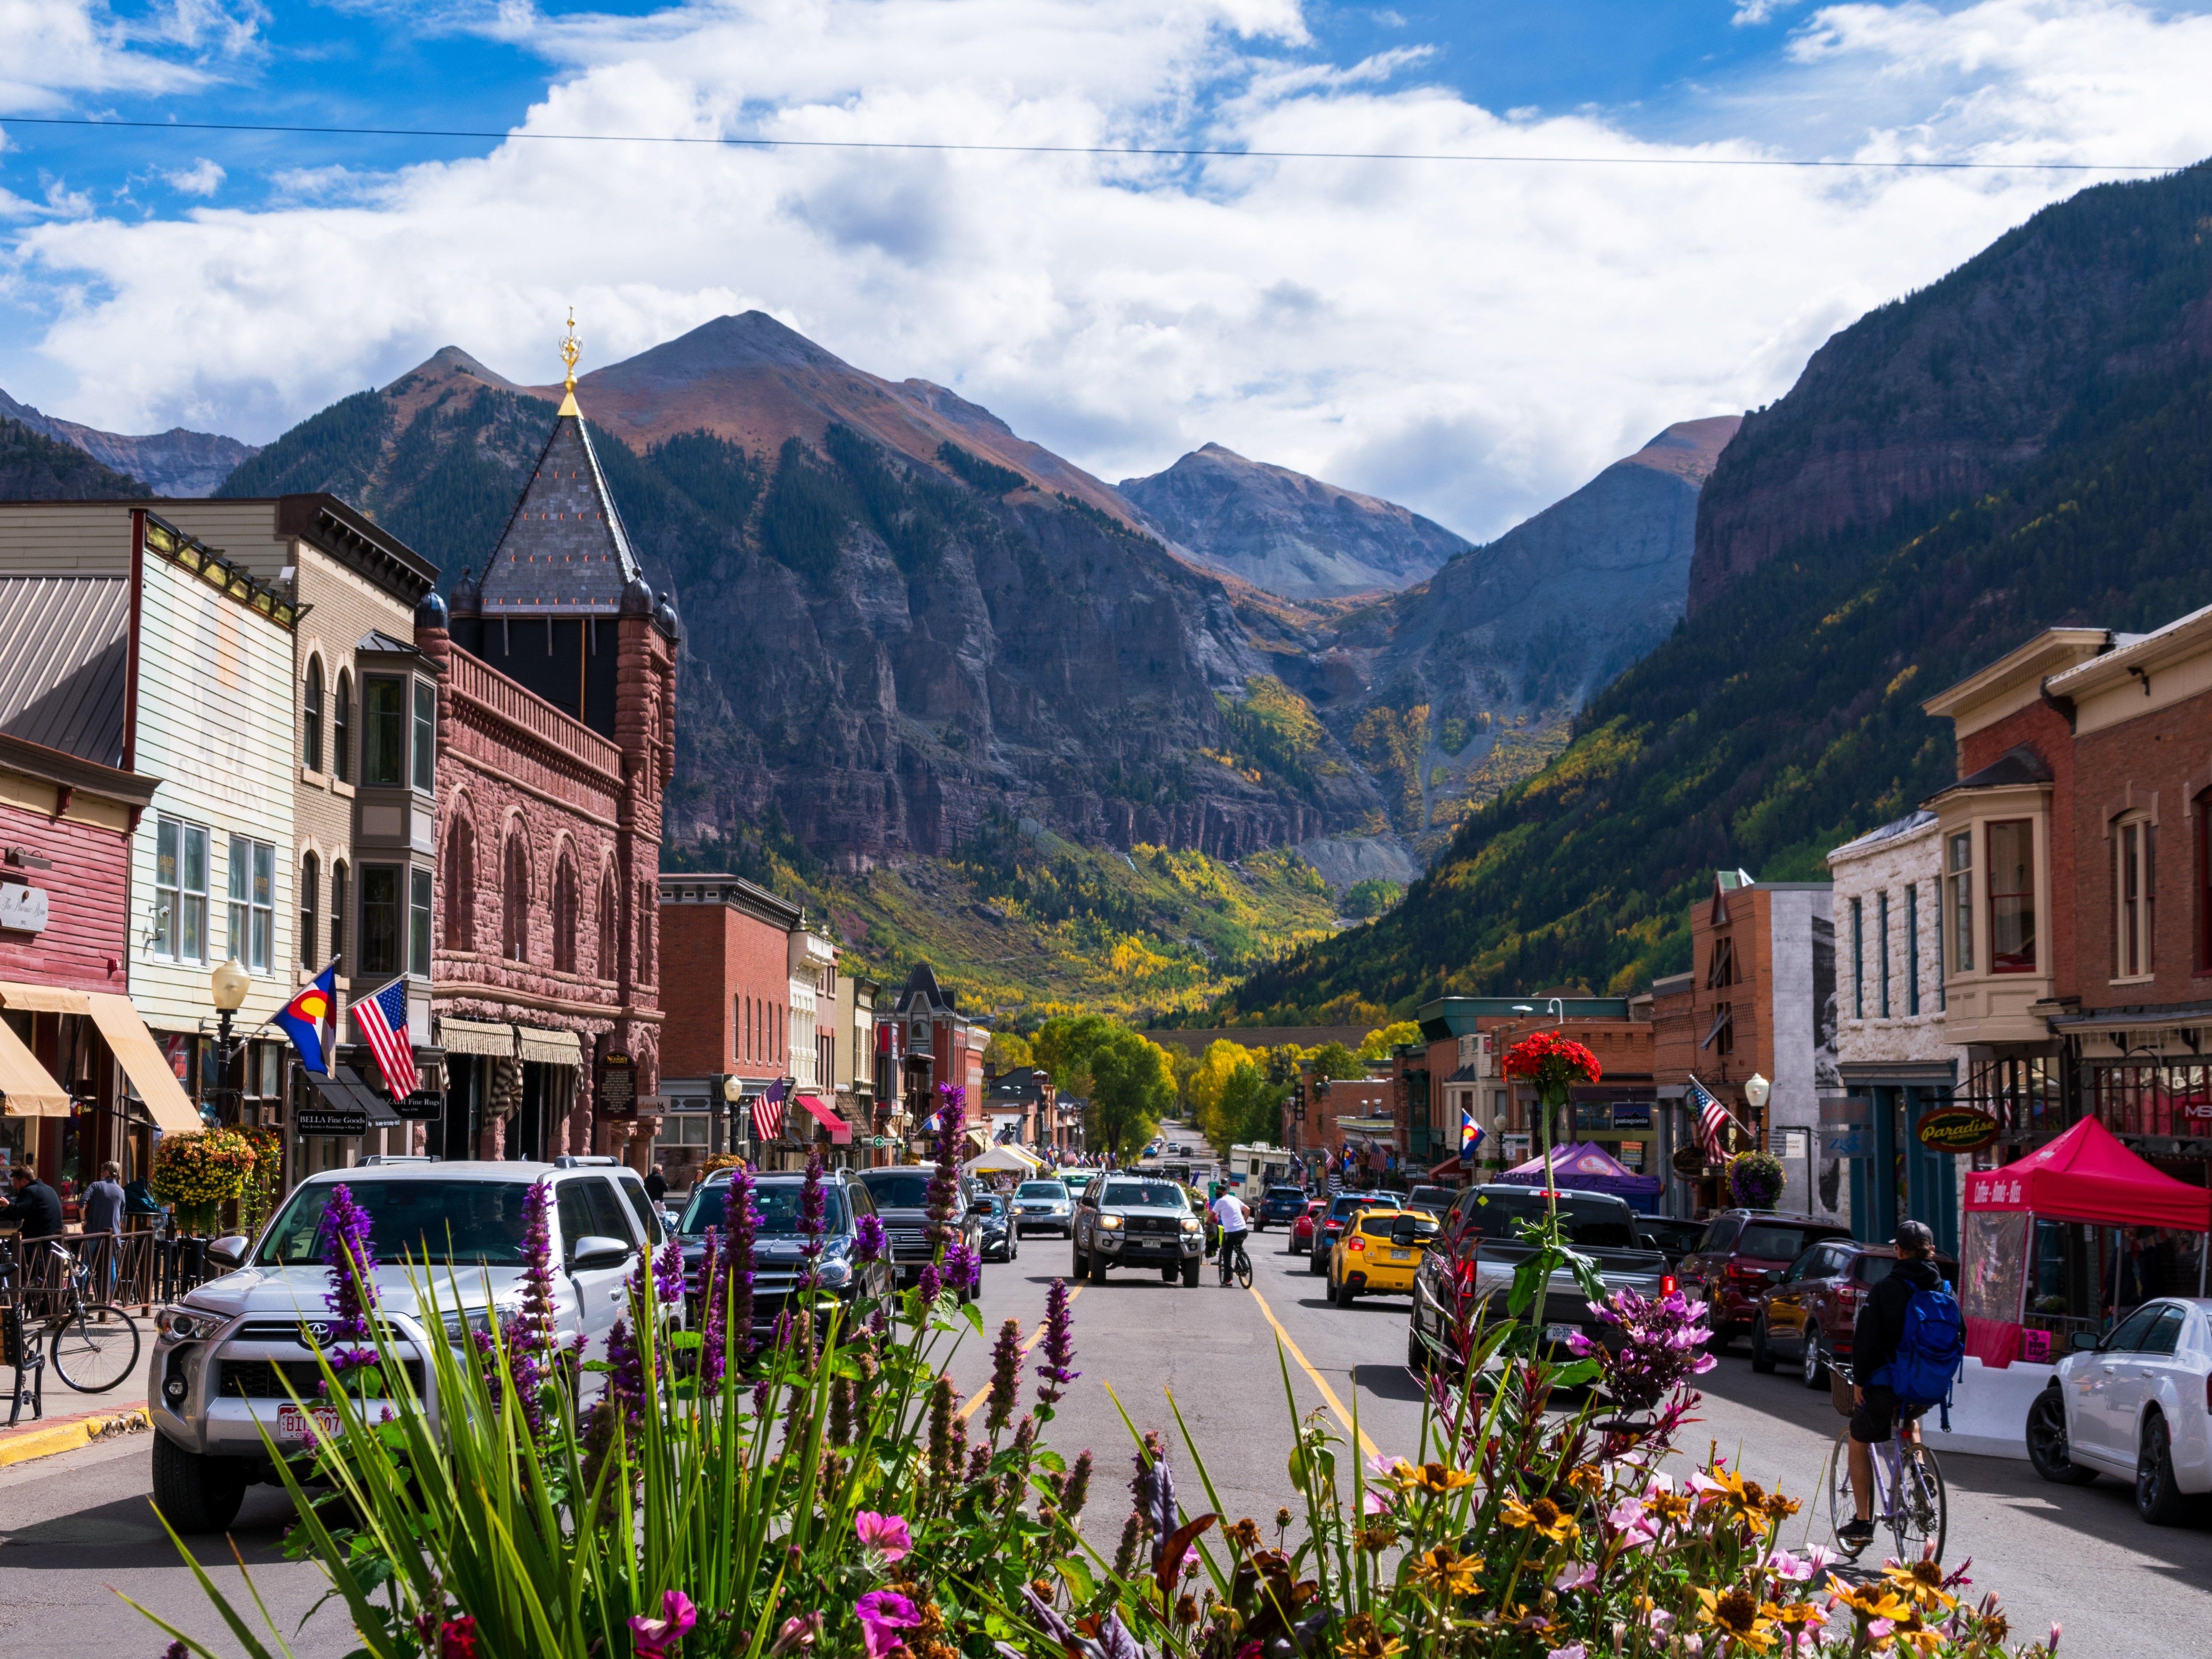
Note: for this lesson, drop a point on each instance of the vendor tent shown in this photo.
(1004, 1160)
(2087, 1174)
(1588, 1167)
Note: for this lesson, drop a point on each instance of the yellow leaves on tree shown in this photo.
(1391, 741)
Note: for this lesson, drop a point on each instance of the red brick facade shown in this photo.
(728, 987)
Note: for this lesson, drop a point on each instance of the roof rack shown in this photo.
(592, 1161)
(397, 1158)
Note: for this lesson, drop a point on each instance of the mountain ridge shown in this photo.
(177, 462)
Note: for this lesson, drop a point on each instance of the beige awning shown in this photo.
(43, 1000)
(549, 1048)
(143, 1063)
(476, 1036)
(26, 1088)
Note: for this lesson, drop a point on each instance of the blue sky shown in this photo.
(1471, 340)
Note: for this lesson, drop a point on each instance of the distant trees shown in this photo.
(1377, 1044)
(1371, 898)
(1009, 1051)
(1132, 1088)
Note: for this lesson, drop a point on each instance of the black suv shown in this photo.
(1282, 1204)
(1127, 1220)
(901, 1199)
(778, 1248)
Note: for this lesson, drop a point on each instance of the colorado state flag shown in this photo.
(1470, 1135)
(302, 1017)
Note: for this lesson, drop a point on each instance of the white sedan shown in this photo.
(2138, 1405)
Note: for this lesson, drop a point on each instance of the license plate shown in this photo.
(1559, 1334)
(1400, 1255)
(292, 1422)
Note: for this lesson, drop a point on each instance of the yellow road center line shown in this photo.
(1319, 1382)
(1035, 1337)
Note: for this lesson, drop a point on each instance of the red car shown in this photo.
(1741, 1248)
(1302, 1230)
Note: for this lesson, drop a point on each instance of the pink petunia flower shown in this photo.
(1579, 1576)
(1573, 1650)
(652, 1638)
(883, 1614)
(886, 1534)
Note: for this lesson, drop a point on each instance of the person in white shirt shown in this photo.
(1229, 1211)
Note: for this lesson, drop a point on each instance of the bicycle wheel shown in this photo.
(1836, 1491)
(1918, 1512)
(95, 1347)
(1243, 1268)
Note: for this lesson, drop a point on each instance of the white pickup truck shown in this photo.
(1478, 1249)
(228, 1356)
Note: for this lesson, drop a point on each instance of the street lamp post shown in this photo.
(229, 985)
(1755, 1091)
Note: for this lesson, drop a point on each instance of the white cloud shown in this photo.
(1471, 340)
(203, 178)
(50, 49)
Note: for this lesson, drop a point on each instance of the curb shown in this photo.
(69, 1433)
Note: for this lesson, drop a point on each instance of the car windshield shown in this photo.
(1766, 1241)
(1152, 1195)
(900, 1189)
(1425, 1198)
(427, 1221)
(1598, 1227)
(1287, 1192)
(775, 1203)
(1042, 1189)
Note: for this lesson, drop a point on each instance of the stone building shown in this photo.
(1895, 1060)
(939, 1045)
(557, 699)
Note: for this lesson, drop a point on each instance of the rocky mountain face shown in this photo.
(1938, 396)
(36, 468)
(1286, 532)
(177, 462)
(1854, 558)
(903, 623)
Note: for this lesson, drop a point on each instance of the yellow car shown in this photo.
(1378, 1254)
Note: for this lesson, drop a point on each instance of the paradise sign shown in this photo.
(1957, 1129)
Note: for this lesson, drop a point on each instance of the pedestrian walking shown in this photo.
(656, 1185)
(103, 1226)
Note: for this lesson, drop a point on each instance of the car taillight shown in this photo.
(1739, 1270)
(1355, 1242)
(1668, 1284)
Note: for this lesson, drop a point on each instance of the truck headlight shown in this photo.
(1111, 1223)
(1191, 1224)
(186, 1324)
(833, 1275)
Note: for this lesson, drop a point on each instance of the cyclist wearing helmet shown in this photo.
(1876, 1413)
(1228, 1213)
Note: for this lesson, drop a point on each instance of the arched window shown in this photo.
(311, 885)
(338, 913)
(514, 900)
(645, 917)
(311, 718)
(610, 925)
(461, 887)
(342, 729)
(566, 919)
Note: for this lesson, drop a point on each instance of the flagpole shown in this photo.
(1723, 1105)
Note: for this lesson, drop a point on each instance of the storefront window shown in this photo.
(2012, 896)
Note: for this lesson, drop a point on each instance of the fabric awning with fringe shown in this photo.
(534, 1042)
(477, 1036)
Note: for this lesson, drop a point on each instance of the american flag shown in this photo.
(382, 1019)
(767, 1112)
(1712, 1118)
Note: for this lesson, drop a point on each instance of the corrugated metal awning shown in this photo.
(476, 1036)
(26, 1088)
(143, 1063)
(546, 1048)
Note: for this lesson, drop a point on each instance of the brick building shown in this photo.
(938, 1045)
(556, 695)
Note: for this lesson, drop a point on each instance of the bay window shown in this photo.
(2011, 844)
(1959, 871)
(383, 731)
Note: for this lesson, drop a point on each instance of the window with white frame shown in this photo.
(2135, 882)
(1959, 913)
(181, 891)
(252, 903)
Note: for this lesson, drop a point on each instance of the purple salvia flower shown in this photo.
(668, 1272)
(1058, 1347)
(538, 1273)
(352, 1296)
(626, 1375)
(760, 1398)
(738, 1215)
(714, 1283)
(869, 1241)
(1006, 1378)
(813, 1212)
(963, 1268)
(944, 1196)
(930, 1283)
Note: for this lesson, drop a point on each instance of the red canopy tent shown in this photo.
(2086, 1175)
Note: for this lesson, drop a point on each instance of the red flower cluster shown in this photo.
(1548, 1060)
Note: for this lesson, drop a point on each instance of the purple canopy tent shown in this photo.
(1588, 1167)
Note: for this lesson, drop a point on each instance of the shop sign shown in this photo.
(22, 907)
(1957, 1129)
(1853, 1141)
(328, 1120)
(422, 1103)
(1632, 1113)
(1689, 1162)
(615, 1090)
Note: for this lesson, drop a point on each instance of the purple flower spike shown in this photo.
(668, 1272)
(930, 1283)
(869, 1240)
(813, 1212)
(743, 1222)
(1058, 1346)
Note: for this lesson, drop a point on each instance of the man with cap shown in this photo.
(1875, 1341)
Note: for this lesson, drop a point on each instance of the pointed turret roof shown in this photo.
(564, 551)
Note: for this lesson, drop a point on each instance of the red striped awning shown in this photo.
(840, 1133)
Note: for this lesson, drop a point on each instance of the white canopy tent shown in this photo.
(1005, 1159)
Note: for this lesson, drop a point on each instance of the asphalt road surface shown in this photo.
(76, 1530)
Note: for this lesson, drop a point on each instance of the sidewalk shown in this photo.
(75, 1419)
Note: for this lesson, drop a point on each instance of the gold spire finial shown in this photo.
(571, 349)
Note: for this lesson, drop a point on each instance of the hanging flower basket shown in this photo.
(199, 1170)
(1755, 1180)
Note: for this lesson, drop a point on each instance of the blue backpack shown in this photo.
(1931, 1352)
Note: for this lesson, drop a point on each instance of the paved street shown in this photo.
(77, 1527)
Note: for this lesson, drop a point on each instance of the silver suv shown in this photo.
(228, 1358)
(1137, 1220)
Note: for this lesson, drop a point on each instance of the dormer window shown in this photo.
(2012, 896)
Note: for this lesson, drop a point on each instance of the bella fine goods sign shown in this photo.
(1957, 1129)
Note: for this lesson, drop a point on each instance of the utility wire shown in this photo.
(1177, 151)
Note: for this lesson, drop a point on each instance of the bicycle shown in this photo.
(92, 1345)
(1908, 1494)
(1235, 1259)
